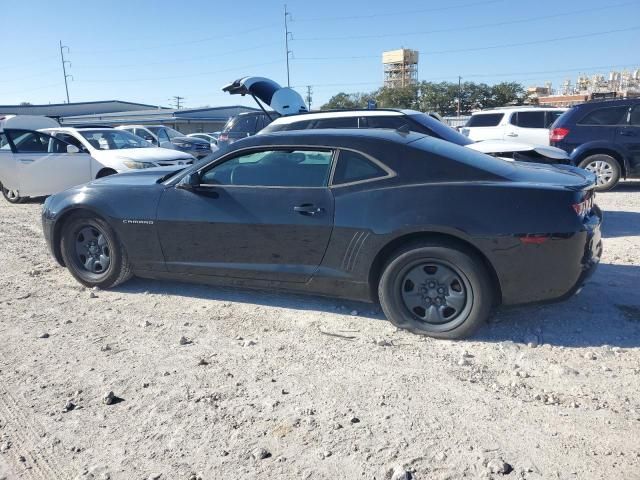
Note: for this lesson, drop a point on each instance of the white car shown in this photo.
(294, 116)
(212, 138)
(38, 157)
(517, 124)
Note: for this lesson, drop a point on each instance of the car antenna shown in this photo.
(262, 108)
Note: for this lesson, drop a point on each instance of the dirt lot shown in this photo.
(280, 386)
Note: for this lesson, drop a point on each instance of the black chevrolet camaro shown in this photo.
(437, 233)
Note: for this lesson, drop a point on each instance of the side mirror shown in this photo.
(191, 182)
(72, 149)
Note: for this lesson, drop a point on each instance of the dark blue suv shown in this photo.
(602, 137)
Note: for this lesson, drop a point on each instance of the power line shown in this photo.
(475, 75)
(183, 60)
(396, 12)
(287, 33)
(469, 27)
(174, 77)
(64, 68)
(490, 47)
(175, 44)
(177, 101)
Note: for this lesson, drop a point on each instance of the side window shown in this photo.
(551, 117)
(393, 123)
(27, 141)
(4, 142)
(634, 118)
(299, 125)
(162, 135)
(244, 124)
(70, 139)
(606, 116)
(273, 168)
(142, 133)
(353, 167)
(485, 120)
(339, 122)
(530, 120)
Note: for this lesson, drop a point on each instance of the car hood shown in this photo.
(151, 154)
(193, 140)
(504, 146)
(145, 176)
(284, 100)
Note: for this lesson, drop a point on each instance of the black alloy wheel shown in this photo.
(92, 252)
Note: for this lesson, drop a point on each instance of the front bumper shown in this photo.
(48, 230)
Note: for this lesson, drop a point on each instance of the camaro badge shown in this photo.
(144, 222)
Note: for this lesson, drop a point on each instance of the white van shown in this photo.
(39, 158)
(516, 124)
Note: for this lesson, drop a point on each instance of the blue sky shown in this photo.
(148, 51)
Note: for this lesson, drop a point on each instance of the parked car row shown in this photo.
(38, 157)
(166, 137)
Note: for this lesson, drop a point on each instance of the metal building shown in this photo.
(400, 67)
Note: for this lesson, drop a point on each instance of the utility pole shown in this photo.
(287, 15)
(309, 92)
(64, 68)
(177, 101)
(459, 93)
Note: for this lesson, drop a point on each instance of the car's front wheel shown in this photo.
(433, 289)
(93, 253)
(606, 169)
(11, 196)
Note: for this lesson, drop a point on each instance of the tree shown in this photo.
(400, 97)
(25, 104)
(507, 93)
(342, 101)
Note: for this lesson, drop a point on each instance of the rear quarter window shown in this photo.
(485, 120)
(529, 119)
(605, 116)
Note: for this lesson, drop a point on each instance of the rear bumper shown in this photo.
(550, 271)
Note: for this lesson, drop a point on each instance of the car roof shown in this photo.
(518, 109)
(341, 114)
(333, 134)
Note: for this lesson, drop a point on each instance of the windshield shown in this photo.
(173, 133)
(434, 128)
(111, 139)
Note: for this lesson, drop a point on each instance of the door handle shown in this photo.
(308, 209)
(627, 133)
(512, 134)
(27, 160)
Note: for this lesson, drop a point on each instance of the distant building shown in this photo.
(624, 84)
(185, 120)
(58, 110)
(400, 67)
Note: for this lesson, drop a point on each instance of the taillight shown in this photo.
(583, 208)
(558, 134)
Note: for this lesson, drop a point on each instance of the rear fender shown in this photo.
(603, 147)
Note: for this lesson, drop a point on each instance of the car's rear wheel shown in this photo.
(93, 253)
(11, 196)
(433, 289)
(606, 169)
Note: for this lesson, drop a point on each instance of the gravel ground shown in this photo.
(219, 383)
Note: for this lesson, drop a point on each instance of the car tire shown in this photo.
(436, 290)
(11, 196)
(605, 167)
(93, 253)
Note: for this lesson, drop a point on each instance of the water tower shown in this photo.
(400, 67)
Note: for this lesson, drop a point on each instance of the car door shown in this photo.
(44, 166)
(628, 136)
(262, 214)
(527, 127)
(163, 139)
